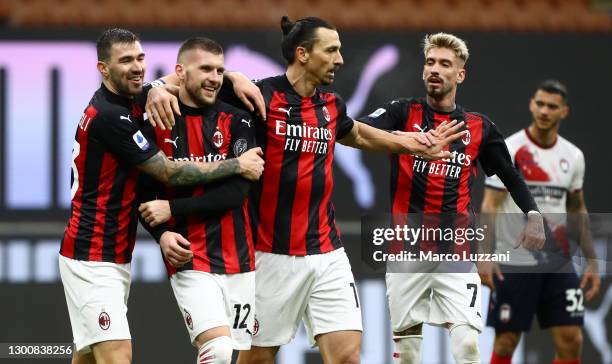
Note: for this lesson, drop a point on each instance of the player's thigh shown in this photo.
(514, 302)
(333, 304)
(340, 346)
(456, 299)
(408, 296)
(282, 286)
(96, 296)
(200, 298)
(113, 352)
(240, 297)
(561, 302)
(83, 358)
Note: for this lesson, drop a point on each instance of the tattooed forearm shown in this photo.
(187, 173)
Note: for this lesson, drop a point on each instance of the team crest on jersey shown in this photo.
(104, 320)
(217, 139)
(255, 326)
(188, 319)
(326, 114)
(467, 137)
(505, 313)
(240, 146)
(564, 164)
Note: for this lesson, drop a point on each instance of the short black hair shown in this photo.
(300, 34)
(205, 44)
(111, 36)
(554, 87)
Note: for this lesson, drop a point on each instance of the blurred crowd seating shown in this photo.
(483, 15)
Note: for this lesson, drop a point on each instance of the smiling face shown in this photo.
(124, 71)
(324, 59)
(201, 77)
(442, 71)
(547, 110)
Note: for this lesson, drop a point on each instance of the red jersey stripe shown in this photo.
(434, 191)
(475, 126)
(325, 205)
(271, 178)
(123, 239)
(107, 177)
(403, 190)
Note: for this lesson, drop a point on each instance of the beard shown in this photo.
(438, 92)
(123, 86)
(197, 95)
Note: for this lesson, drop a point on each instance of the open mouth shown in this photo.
(209, 91)
(135, 80)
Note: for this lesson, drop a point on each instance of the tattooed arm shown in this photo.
(172, 173)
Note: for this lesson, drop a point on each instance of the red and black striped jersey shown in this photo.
(444, 186)
(109, 143)
(221, 243)
(291, 204)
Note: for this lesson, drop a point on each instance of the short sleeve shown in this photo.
(387, 117)
(124, 138)
(243, 134)
(344, 123)
(578, 175)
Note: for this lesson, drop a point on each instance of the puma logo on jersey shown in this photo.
(125, 118)
(286, 111)
(173, 142)
(248, 122)
(422, 130)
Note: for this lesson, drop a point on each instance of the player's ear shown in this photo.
(564, 111)
(301, 54)
(103, 69)
(461, 75)
(179, 69)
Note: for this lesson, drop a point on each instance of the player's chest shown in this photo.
(550, 167)
(197, 139)
(309, 127)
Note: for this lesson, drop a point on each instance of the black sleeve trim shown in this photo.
(227, 195)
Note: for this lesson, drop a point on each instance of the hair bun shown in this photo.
(286, 24)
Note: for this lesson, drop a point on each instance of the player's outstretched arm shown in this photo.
(249, 165)
(578, 221)
(366, 137)
(491, 201)
(162, 102)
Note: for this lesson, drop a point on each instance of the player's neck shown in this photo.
(186, 99)
(545, 138)
(111, 87)
(298, 78)
(444, 104)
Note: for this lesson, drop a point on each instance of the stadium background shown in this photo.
(47, 75)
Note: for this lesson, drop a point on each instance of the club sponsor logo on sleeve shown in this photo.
(141, 141)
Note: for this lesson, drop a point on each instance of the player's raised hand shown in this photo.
(175, 248)
(533, 236)
(161, 106)
(251, 164)
(486, 270)
(248, 93)
(590, 275)
(155, 212)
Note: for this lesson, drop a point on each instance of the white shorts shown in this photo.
(208, 300)
(318, 289)
(96, 295)
(433, 298)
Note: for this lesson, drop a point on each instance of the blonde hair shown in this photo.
(445, 40)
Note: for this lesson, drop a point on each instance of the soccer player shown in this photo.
(302, 270)
(215, 291)
(554, 170)
(450, 300)
(111, 148)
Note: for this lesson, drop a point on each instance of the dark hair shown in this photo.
(300, 34)
(554, 87)
(201, 43)
(111, 36)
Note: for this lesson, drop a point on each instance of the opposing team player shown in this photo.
(110, 150)
(302, 271)
(554, 170)
(450, 300)
(215, 290)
